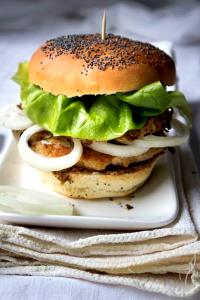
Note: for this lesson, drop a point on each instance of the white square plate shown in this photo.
(154, 205)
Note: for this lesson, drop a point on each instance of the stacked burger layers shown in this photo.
(101, 113)
(103, 107)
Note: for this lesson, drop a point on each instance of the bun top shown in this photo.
(77, 65)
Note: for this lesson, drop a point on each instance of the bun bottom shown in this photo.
(84, 184)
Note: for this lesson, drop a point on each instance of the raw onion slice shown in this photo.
(48, 164)
(13, 118)
(178, 134)
(153, 141)
(24, 201)
(118, 150)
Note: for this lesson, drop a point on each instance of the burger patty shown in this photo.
(154, 125)
(47, 145)
(98, 161)
(66, 175)
(90, 159)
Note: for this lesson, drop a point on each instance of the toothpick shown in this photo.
(103, 26)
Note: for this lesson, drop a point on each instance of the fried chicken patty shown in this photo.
(154, 125)
(47, 145)
(90, 159)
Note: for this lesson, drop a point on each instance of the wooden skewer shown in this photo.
(103, 26)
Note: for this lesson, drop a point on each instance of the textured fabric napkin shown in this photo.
(165, 260)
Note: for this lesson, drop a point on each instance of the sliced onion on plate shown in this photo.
(24, 201)
(47, 163)
(13, 118)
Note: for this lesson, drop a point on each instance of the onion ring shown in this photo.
(13, 118)
(180, 136)
(118, 150)
(48, 164)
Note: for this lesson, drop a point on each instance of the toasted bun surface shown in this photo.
(78, 65)
(93, 185)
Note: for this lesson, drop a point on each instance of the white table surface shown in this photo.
(24, 25)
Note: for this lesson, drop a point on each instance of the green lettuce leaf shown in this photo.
(94, 117)
(153, 99)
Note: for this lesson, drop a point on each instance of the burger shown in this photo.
(96, 113)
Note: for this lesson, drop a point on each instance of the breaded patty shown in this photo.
(91, 159)
(47, 145)
(154, 125)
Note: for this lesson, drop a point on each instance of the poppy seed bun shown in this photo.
(78, 65)
(84, 184)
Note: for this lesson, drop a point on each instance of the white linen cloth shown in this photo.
(19, 42)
